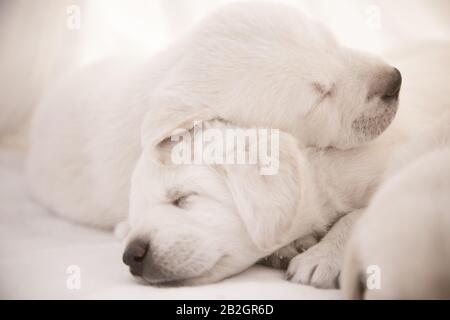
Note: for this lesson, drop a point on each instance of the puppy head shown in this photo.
(267, 64)
(200, 223)
(355, 100)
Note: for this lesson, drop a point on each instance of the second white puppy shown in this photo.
(199, 223)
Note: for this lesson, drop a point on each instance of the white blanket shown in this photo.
(37, 248)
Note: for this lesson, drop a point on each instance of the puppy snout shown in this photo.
(386, 85)
(134, 256)
(393, 85)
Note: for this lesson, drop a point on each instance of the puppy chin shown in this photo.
(202, 275)
(214, 275)
(369, 127)
(169, 281)
(206, 278)
(221, 270)
(163, 282)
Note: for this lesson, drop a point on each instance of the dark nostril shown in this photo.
(393, 85)
(134, 256)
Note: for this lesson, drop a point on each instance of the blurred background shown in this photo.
(42, 39)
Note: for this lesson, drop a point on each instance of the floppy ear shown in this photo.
(164, 119)
(267, 204)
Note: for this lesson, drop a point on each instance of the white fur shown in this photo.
(232, 216)
(255, 64)
(320, 266)
(405, 231)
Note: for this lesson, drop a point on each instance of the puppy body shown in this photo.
(404, 232)
(255, 64)
(347, 180)
(85, 140)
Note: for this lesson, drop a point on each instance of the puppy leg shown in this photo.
(320, 265)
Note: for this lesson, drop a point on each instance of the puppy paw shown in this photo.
(319, 267)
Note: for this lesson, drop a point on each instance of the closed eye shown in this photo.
(322, 90)
(181, 201)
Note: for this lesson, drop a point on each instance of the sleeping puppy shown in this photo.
(199, 223)
(266, 64)
(405, 232)
(253, 64)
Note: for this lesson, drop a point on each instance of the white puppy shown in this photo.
(254, 64)
(200, 223)
(405, 231)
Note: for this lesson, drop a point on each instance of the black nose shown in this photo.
(393, 85)
(134, 256)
